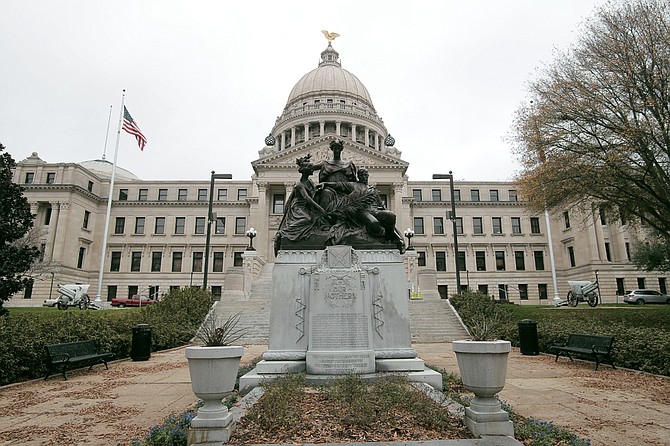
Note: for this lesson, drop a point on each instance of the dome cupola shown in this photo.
(328, 100)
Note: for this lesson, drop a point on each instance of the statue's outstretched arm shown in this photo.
(308, 198)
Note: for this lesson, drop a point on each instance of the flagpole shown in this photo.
(109, 119)
(98, 296)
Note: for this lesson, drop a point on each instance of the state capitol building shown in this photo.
(157, 229)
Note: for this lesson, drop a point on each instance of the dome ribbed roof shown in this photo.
(329, 78)
(103, 168)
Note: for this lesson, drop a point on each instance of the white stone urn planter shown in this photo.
(483, 367)
(213, 372)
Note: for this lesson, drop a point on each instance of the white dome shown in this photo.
(329, 79)
(103, 168)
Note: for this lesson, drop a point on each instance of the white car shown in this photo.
(50, 302)
(641, 297)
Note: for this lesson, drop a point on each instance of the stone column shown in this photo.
(283, 141)
(59, 242)
(596, 244)
(397, 209)
(367, 136)
(337, 127)
(619, 242)
(376, 141)
(263, 212)
(353, 132)
(292, 136)
(322, 128)
(307, 132)
(53, 226)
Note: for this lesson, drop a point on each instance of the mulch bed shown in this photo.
(321, 421)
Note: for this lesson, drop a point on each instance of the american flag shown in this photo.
(130, 126)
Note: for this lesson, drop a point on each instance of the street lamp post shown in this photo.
(409, 234)
(452, 217)
(251, 233)
(52, 284)
(215, 176)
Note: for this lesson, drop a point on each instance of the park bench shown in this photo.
(593, 346)
(72, 353)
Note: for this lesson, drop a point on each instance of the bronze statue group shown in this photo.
(342, 209)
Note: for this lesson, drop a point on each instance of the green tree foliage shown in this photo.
(15, 221)
(654, 256)
(597, 128)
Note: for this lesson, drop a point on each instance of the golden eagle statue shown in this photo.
(329, 36)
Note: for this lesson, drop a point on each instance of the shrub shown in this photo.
(641, 334)
(484, 318)
(177, 317)
(25, 332)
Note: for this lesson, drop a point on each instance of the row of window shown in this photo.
(182, 194)
(179, 227)
(480, 260)
(153, 290)
(221, 195)
(176, 261)
(50, 179)
(477, 225)
(436, 195)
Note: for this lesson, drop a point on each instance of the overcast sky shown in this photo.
(205, 80)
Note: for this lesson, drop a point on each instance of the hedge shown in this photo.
(642, 334)
(174, 320)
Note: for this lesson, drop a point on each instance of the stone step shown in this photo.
(434, 321)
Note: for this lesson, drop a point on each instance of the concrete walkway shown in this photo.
(111, 407)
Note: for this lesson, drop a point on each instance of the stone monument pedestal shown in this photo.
(339, 311)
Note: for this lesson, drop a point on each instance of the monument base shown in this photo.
(339, 311)
(332, 362)
(425, 375)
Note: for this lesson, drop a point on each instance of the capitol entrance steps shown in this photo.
(255, 311)
(430, 320)
(435, 321)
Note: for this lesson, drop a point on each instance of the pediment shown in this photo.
(319, 149)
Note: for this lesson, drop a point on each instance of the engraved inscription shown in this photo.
(341, 363)
(340, 292)
(339, 331)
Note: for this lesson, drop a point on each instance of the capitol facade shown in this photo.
(158, 229)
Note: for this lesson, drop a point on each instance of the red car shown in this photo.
(135, 301)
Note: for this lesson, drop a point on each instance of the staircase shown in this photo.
(255, 311)
(430, 320)
(434, 321)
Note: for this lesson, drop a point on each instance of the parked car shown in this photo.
(136, 300)
(50, 302)
(641, 297)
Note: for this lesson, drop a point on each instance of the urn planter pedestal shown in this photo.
(213, 372)
(483, 367)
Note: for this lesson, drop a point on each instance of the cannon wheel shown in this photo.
(61, 306)
(572, 299)
(83, 303)
(593, 299)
